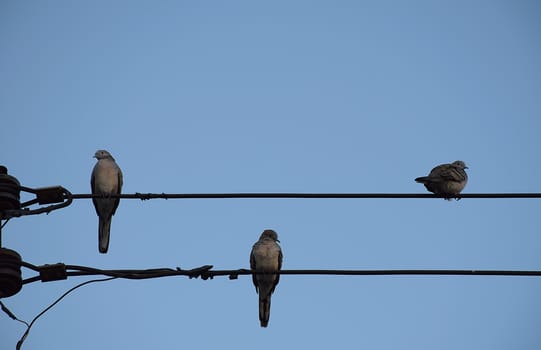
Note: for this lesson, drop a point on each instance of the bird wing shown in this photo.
(253, 267)
(118, 189)
(280, 258)
(93, 187)
(452, 173)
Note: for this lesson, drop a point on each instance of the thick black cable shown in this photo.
(206, 272)
(30, 266)
(63, 195)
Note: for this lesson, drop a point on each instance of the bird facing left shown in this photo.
(106, 180)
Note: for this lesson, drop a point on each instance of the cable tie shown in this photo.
(52, 272)
(49, 195)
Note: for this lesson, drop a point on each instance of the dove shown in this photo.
(106, 180)
(446, 180)
(266, 256)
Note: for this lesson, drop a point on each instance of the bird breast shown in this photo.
(268, 257)
(106, 180)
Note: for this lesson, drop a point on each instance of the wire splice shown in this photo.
(197, 272)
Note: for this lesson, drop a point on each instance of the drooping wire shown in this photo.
(11, 314)
(4, 224)
(21, 341)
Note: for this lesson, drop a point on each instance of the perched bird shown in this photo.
(266, 256)
(446, 180)
(106, 180)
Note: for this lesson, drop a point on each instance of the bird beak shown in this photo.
(278, 240)
(466, 167)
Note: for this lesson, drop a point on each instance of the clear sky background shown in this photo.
(281, 96)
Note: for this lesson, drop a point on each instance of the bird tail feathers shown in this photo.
(264, 310)
(103, 235)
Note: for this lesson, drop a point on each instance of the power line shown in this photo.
(60, 271)
(60, 195)
(147, 196)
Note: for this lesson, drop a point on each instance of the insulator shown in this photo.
(9, 191)
(10, 273)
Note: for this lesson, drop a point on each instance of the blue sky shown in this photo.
(282, 96)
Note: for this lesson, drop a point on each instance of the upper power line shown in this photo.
(146, 196)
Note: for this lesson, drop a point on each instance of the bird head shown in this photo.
(460, 164)
(102, 154)
(270, 234)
